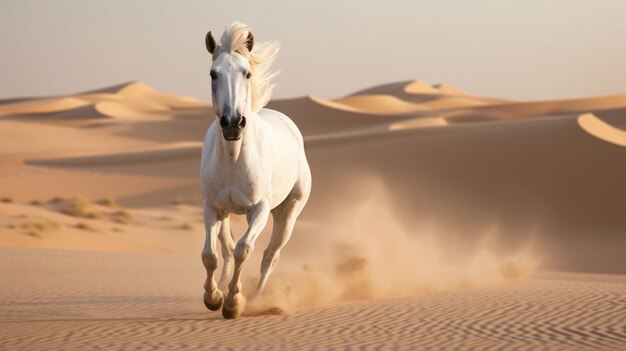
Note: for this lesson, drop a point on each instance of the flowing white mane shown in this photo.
(260, 59)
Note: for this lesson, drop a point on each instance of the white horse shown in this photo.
(253, 163)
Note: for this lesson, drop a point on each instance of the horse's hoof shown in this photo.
(233, 309)
(215, 301)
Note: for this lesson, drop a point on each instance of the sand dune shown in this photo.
(314, 116)
(131, 100)
(602, 130)
(394, 89)
(172, 229)
(139, 186)
(378, 104)
(159, 130)
(419, 123)
(170, 152)
(421, 92)
(126, 110)
(415, 87)
(41, 106)
(454, 102)
(540, 108)
(458, 106)
(142, 92)
(22, 139)
(421, 87)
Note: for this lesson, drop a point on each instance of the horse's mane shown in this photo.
(260, 59)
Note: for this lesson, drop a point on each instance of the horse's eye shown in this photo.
(248, 74)
(213, 75)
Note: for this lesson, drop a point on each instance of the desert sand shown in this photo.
(52, 300)
(438, 219)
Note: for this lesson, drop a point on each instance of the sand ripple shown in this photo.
(53, 299)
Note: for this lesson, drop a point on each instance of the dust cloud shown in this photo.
(365, 251)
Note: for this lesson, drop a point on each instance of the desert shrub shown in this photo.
(34, 228)
(6, 200)
(76, 206)
(41, 226)
(85, 226)
(108, 202)
(36, 203)
(122, 216)
(186, 226)
(93, 215)
(56, 200)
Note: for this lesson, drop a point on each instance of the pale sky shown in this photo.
(531, 49)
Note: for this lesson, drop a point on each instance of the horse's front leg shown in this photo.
(257, 216)
(213, 297)
(228, 246)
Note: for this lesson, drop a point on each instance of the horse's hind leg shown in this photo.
(213, 297)
(228, 245)
(284, 216)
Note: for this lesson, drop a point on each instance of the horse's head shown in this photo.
(231, 87)
(241, 79)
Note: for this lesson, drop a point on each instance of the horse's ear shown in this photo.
(250, 41)
(210, 42)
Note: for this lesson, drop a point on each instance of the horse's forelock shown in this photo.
(235, 40)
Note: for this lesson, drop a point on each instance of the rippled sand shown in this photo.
(70, 300)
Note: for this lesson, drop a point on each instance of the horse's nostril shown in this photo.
(224, 122)
(242, 122)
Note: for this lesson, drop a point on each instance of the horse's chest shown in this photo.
(234, 199)
(233, 196)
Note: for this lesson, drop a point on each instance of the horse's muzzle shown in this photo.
(232, 127)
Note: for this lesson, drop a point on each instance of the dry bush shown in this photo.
(36, 227)
(186, 226)
(93, 215)
(6, 200)
(76, 206)
(41, 226)
(56, 200)
(85, 226)
(108, 202)
(122, 216)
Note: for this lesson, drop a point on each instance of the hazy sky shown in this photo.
(531, 49)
